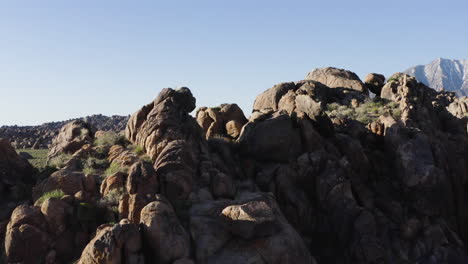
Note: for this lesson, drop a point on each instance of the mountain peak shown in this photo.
(443, 73)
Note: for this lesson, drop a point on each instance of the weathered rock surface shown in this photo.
(171, 137)
(166, 237)
(225, 120)
(251, 229)
(337, 78)
(120, 243)
(40, 137)
(71, 138)
(383, 182)
(374, 82)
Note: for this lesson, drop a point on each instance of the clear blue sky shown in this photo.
(64, 59)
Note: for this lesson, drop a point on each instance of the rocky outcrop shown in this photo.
(459, 107)
(70, 182)
(374, 82)
(16, 174)
(71, 138)
(27, 227)
(16, 180)
(337, 78)
(318, 174)
(171, 137)
(120, 243)
(40, 137)
(252, 228)
(167, 239)
(225, 120)
(54, 232)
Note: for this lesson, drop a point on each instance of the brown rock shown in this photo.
(165, 236)
(27, 240)
(113, 182)
(71, 138)
(337, 78)
(120, 243)
(374, 82)
(67, 181)
(142, 179)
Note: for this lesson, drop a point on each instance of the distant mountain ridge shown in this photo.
(447, 74)
(41, 136)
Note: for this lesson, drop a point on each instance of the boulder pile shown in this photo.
(320, 172)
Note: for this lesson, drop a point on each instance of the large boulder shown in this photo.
(72, 137)
(16, 174)
(225, 120)
(270, 98)
(275, 139)
(142, 179)
(70, 182)
(374, 82)
(252, 228)
(119, 243)
(171, 137)
(166, 237)
(27, 239)
(337, 78)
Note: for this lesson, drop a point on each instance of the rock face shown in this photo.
(167, 239)
(71, 138)
(374, 82)
(252, 229)
(171, 137)
(120, 243)
(226, 120)
(16, 180)
(447, 74)
(26, 224)
(40, 137)
(318, 174)
(337, 78)
(15, 172)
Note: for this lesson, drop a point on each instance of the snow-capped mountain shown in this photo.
(451, 75)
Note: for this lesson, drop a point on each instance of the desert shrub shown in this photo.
(392, 80)
(109, 139)
(92, 164)
(84, 132)
(39, 160)
(139, 150)
(47, 195)
(146, 158)
(111, 199)
(333, 106)
(366, 112)
(114, 168)
(60, 160)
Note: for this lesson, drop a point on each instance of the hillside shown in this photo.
(321, 172)
(40, 137)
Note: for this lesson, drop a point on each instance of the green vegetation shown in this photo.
(139, 150)
(60, 160)
(366, 112)
(114, 168)
(146, 158)
(111, 200)
(392, 80)
(109, 139)
(39, 159)
(84, 132)
(92, 165)
(47, 195)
